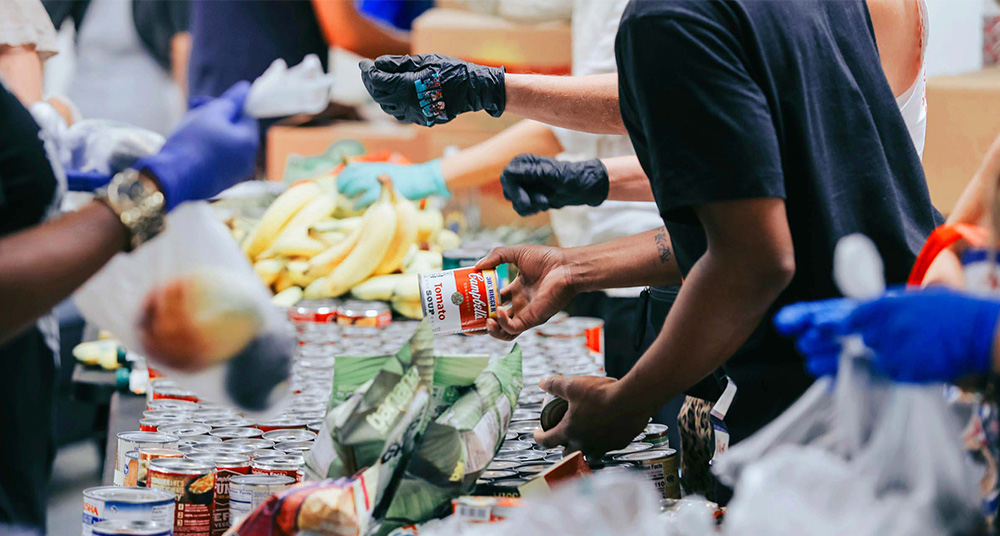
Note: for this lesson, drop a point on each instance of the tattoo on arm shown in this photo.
(663, 245)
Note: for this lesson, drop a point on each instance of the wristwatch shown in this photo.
(138, 202)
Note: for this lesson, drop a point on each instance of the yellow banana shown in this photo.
(330, 238)
(344, 226)
(323, 263)
(379, 287)
(377, 231)
(283, 282)
(424, 261)
(407, 288)
(288, 297)
(316, 210)
(405, 236)
(315, 289)
(447, 239)
(268, 270)
(277, 215)
(429, 222)
(294, 246)
(408, 308)
(297, 272)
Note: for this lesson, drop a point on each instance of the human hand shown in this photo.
(431, 89)
(542, 288)
(417, 181)
(918, 337)
(535, 183)
(596, 420)
(816, 327)
(212, 148)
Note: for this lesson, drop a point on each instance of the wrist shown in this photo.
(581, 271)
(433, 168)
(628, 397)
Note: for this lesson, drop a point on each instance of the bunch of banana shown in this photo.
(302, 249)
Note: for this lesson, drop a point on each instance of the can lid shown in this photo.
(181, 465)
(128, 495)
(184, 429)
(131, 527)
(224, 448)
(147, 437)
(220, 460)
(655, 454)
(282, 461)
(258, 480)
(497, 474)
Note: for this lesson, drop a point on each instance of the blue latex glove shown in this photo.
(85, 181)
(921, 336)
(535, 183)
(416, 181)
(212, 148)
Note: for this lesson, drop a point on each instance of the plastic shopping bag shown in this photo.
(231, 307)
(280, 91)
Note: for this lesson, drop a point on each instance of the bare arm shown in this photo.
(21, 72)
(645, 259)
(627, 180)
(749, 262)
(583, 103)
(41, 266)
(345, 28)
(482, 163)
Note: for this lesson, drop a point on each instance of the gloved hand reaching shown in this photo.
(416, 181)
(535, 183)
(212, 148)
(919, 336)
(431, 89)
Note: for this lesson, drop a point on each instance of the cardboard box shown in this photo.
(963, 119)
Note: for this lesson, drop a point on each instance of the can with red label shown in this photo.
(364, 313)
(226, 467)
(173, 393)
(150, 425)
(192, 482)
(286, 465)
(145, 454)
(282, 423)
(316, 311)
(158, 384)
(166, 415)
(461, 300)
(129, 441)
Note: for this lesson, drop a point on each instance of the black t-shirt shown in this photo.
(27, 188)
(752, 99)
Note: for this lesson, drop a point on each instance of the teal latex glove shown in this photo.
(359, 181)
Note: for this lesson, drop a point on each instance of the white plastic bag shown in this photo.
(193, 242)
(280, 91)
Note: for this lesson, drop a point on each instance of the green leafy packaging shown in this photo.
(457, 446)
(453, 374)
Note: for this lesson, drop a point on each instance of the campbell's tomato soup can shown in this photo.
(461, 300)
(226, 467)
(129, 441)
(285, 465)
(108, 503)
(192, 482)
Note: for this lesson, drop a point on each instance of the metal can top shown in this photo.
(499, 465)
(236, 432)
(533, 469)
(147, 437)
(497, 474)
(294, 447)
(514, 446)
(520, 456)
(224, 448)
(182, 466)
(166, 414)
(197, 440)
(221, 461)
(261, 480)
(646, 455)
(254, 442)
(282, 423)
(226, 422)
(281, 436)
(172, 404)
(127, 495)
(655, 430)
(630, 448)
(184, 429)
(287, 461)
(127, 527)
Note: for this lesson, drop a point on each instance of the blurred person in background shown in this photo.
(43, 262)
(130, 59)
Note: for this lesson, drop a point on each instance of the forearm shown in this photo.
(627, 180)
(41, 266)
(180, 54)
(637, 260)
(717, 309)
(482, 163)
(584, 103)
(345, 28)
(972, 205)
(21, 72)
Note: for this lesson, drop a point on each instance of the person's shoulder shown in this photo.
(650, 10)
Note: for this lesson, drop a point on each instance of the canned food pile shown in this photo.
(196, 468)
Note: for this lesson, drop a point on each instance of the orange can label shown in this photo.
(460, 300)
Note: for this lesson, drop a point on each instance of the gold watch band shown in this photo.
(138, 202)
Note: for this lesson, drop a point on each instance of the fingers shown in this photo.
(513, 326)
(498, 256)
(554, 437)
(514, 288)
(495, 331)
(794, 319)
(823, 365)
(558, 386)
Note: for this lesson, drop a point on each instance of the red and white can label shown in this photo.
(461, 300)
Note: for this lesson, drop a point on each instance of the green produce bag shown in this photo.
(453, 374)
(351, 372)
(457, 446)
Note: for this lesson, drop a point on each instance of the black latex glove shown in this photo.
(431, 89)
(535, 183)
